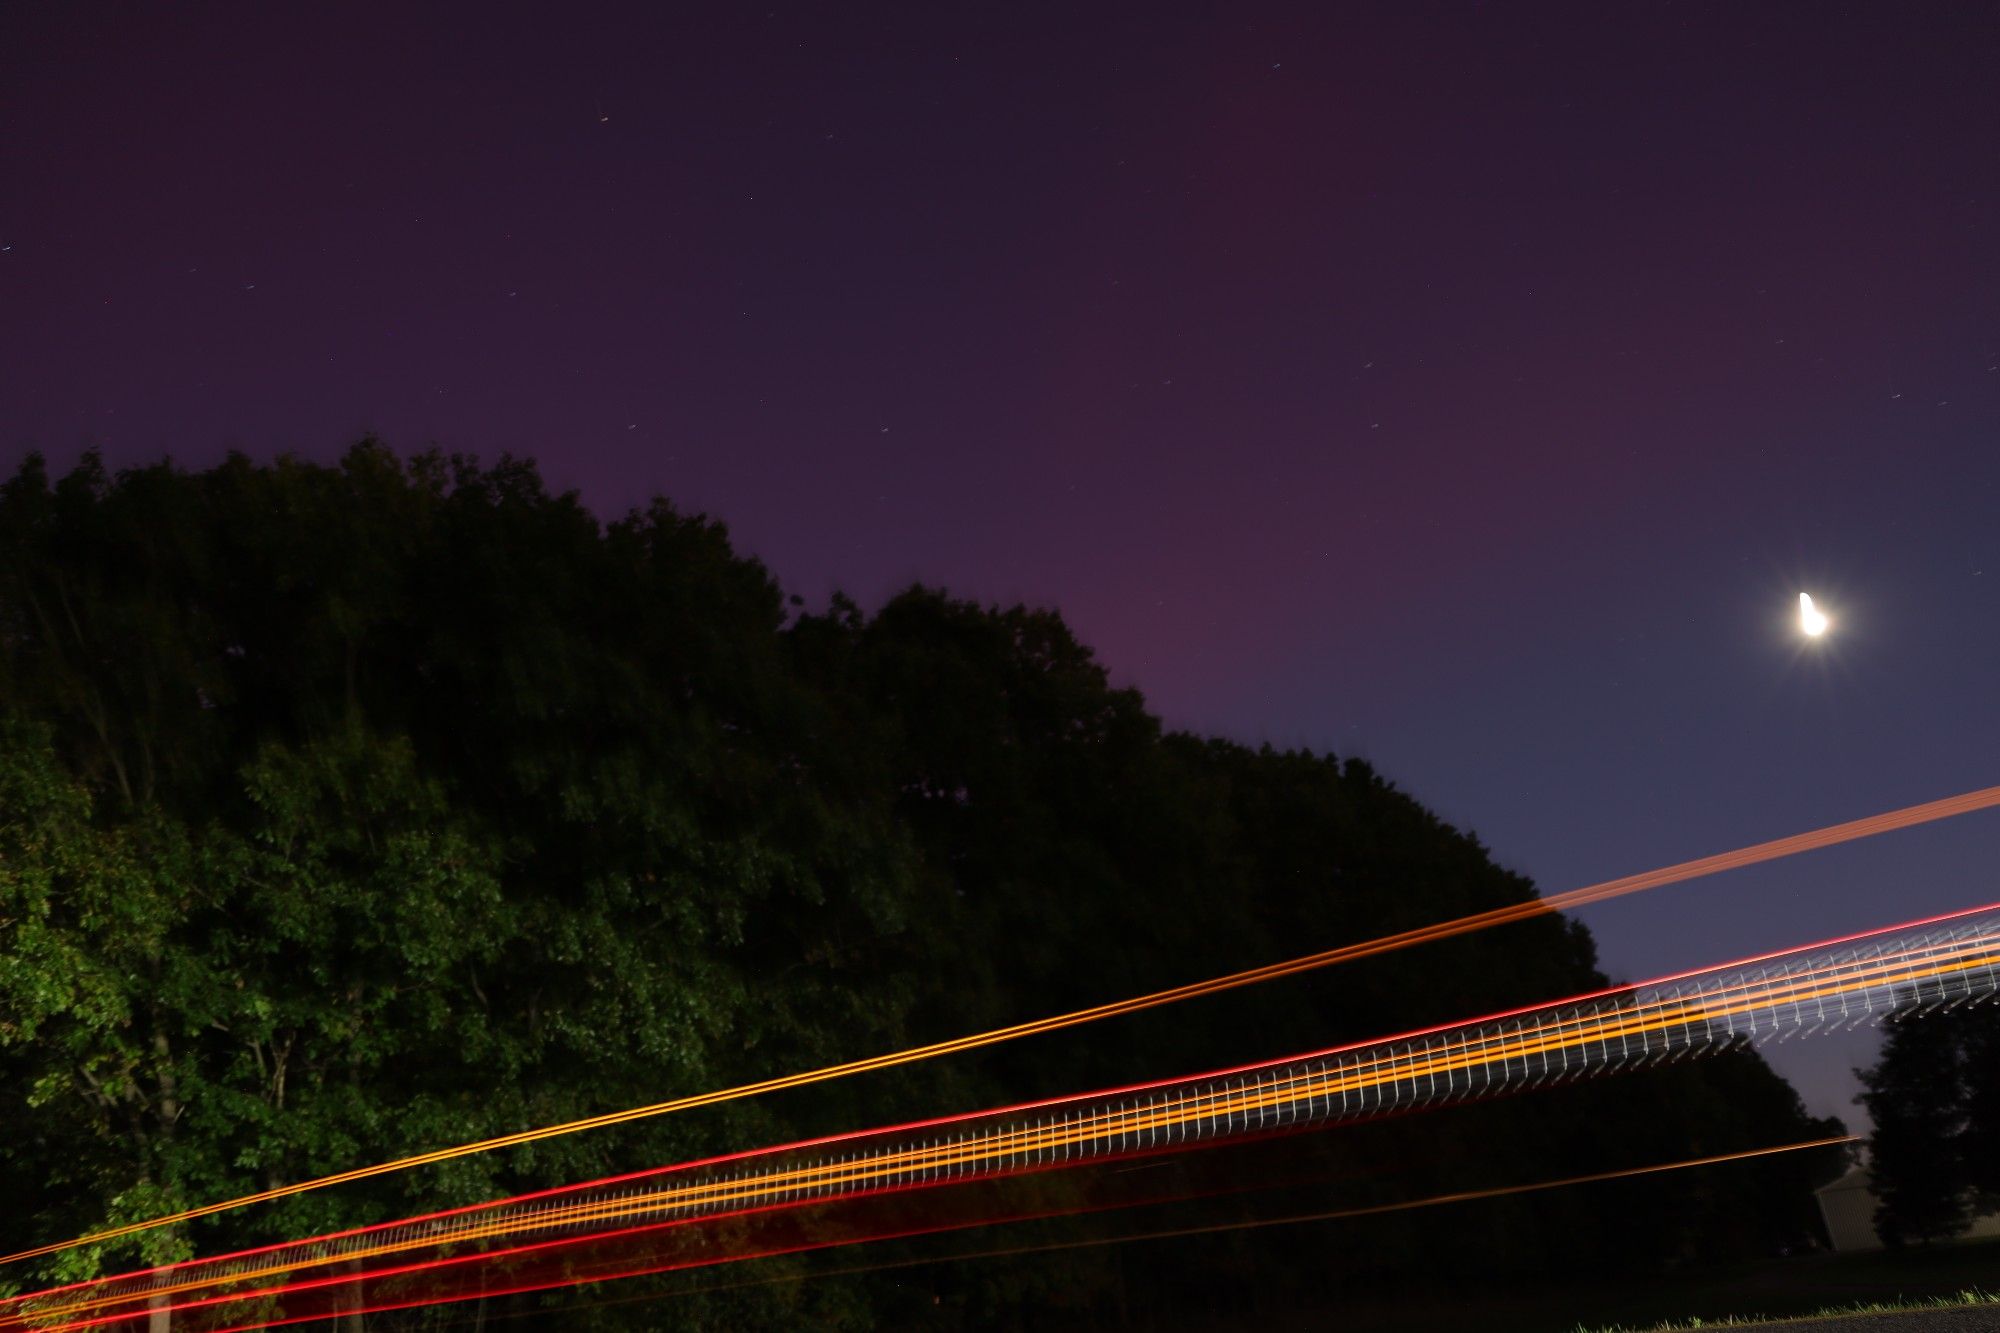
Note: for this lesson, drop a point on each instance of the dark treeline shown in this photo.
(351, 811)
(1935, 1099)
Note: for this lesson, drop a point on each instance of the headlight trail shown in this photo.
(1814, 982)
(1438, 1200)
(1531, 1037)
(1948, 960)
(1251, 1224)
(1908, 817)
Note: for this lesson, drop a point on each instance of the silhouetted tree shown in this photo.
(1916, 1094)
(1980, 1035)
(352, 810)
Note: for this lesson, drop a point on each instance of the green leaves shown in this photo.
(352, 811)
(195, 1003)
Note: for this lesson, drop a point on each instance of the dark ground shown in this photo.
(1779, 1288)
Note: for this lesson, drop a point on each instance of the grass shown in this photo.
(1971, 1296)
(1818, 1286)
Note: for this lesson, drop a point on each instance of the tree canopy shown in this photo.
(349, 811)
(1935, 1099)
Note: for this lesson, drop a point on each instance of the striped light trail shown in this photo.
(1985, 798)
(1903, 970)
(1215, 1228)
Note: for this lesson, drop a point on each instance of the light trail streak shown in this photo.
(653, 1268)
(788, 1186)
(997, 1148)
(1253, 1224)
(1871, 826)
(1950, 959)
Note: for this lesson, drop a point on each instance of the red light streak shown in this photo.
(1861, 828)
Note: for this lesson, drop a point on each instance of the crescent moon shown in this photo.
(1811, 619)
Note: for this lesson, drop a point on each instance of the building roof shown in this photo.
(1857, 1177)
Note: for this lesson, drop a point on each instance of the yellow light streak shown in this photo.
(1035, 1139)
(1463, 1196)
(1291, 1219)
(1585, 1030)
(1946, 808)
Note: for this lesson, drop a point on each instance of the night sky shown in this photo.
(1470, 387)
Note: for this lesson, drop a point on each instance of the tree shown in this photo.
(89, 992)
(348, 811)
(1916, 1094)
(1980, 1033)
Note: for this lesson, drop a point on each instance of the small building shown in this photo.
(1848, 1205)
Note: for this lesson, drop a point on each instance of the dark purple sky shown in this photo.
(1468, 386)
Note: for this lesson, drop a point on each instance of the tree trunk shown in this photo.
(351, 1318)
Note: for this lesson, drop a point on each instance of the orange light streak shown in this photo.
(1290, 1219)
(1747, 996)
(1330, 1215)
(1890, 821)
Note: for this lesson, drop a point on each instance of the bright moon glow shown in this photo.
(1811, 620)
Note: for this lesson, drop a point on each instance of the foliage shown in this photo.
(350, 811)
(1935, 1099)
